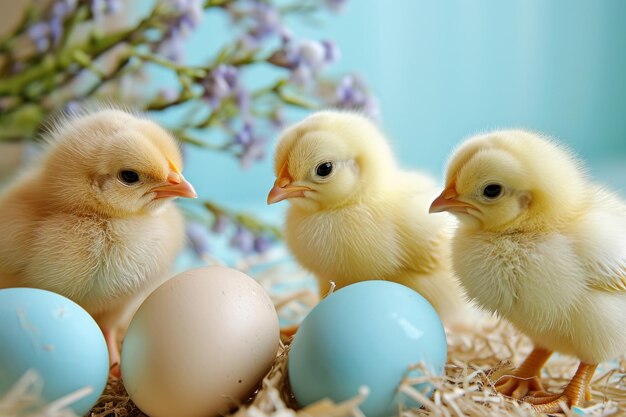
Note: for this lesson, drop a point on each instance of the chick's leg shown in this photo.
(113, 323)
(578, 387)
(110, 335)
(525, 379)
(588, 396)
(286, 333)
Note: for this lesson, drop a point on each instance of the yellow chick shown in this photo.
(543, 247)
(355, 216)
(95, 221)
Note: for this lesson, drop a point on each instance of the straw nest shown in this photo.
(476, 358)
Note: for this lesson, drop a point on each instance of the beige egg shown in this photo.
(199, 344)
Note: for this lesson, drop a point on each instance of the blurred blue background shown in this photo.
(444, 70)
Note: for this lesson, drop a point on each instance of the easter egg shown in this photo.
(199, 344)
(54, 336)
(366, 334)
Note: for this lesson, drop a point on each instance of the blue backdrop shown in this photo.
(444, 70)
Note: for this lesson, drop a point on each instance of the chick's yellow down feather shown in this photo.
(543, 247)
(94, 220)
(355, 216)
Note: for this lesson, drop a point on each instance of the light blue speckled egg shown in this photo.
(51, 334)
(366, 334)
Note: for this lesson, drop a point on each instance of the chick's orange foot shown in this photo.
(289, 332)
(518, 388)
(571, 396)
(525, 379)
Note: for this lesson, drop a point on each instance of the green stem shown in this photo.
(272, 89)
(248, 221)
(299, 7)
(95, 47)
(186, 138)
(106, 78)
(85, 61)
(194, 72)
(79, 15)
(216, 3)
(294, 100)
(163, 105)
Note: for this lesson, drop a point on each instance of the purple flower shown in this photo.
(252, 146)
(189, 14)
(351, 93)
(39, 34)
(310, 57)
(220, 224)
(266, 19)
(277, 118)
(265, 23)
(301, 75)
(64, 7)
(244, 136)
(221, 83)
(311, 54)
(336, 6)
(99, 8)
(286, 35)
(56, 29)
(113, 6)
(60, 11)
(173, 47)
(243, 240)
(243, 102)
(263, 20)
(49, 32)
(253, 152)
(305, 58)
(72, 107)
(198, 238)
(262, 244)
(331, 52)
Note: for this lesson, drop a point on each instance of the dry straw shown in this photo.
(476, 358)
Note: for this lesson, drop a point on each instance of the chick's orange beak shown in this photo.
(283, 189)
(177, 186)
(447, 201)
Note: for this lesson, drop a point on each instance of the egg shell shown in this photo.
(51, 334)
(366, 334)
(199, 344)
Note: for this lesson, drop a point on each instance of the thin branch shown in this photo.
(106, 78)
(247, 220)
(193, 72)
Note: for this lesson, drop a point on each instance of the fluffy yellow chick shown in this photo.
(95, 221)
(355, 216)
(543, 247)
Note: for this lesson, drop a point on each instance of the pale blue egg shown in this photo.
(366, 334)
(51, 334)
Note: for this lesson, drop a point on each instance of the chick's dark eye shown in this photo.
(492, 191)
(128, 177)
(324, 169)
